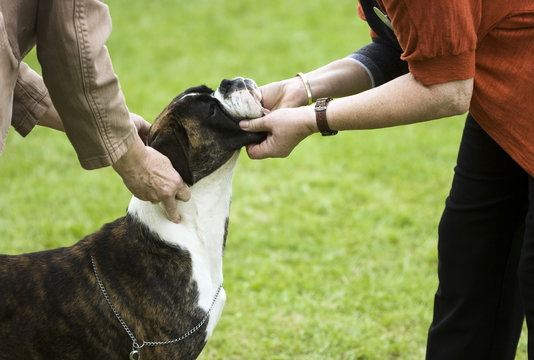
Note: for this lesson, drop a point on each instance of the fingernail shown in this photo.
(244, 124)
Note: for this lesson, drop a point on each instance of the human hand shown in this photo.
(285, 127)
(150, 176)
(51, 119)
(288, 93)
(141, 125)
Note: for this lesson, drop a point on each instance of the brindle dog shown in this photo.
(163, 280)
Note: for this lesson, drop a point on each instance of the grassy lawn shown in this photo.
(331, 252)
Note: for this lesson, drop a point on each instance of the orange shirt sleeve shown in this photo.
(438, 37)
(360, 12)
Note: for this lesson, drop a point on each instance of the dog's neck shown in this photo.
(203, 226)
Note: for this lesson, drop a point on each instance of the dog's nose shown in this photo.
(224, 86)
(229, 86)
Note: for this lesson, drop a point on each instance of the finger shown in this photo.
(183, 193)
(255, 125)
(265, 97)
(142, 126)
(256, 151)
(143, 130)
(171, 210)
(180, 188)
(143, 134)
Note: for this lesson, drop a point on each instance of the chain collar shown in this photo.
(135, 354)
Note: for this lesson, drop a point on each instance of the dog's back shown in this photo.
(51, 306)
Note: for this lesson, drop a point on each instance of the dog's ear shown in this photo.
(175, 145)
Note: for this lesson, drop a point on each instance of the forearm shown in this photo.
(372, 65)
(339, 78)
(401, 101)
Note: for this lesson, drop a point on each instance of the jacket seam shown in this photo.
(87, 75)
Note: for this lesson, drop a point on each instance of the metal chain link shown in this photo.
(135, 343)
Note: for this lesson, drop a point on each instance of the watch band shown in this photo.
(320, 117)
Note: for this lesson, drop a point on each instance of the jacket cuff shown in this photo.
(31, 100)
(118, 151)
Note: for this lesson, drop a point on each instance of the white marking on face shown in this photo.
(190, 94)
(243, 101)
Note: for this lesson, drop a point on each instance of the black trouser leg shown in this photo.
(526, 272)
(477, 311)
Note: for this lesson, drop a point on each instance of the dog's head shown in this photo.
(199, 130)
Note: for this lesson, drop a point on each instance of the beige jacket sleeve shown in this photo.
(78, 73)
(30, 101)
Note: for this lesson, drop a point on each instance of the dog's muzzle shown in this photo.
(240, 97)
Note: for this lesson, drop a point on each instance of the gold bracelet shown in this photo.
(307, 86)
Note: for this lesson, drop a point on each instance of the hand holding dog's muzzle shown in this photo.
(286, 128)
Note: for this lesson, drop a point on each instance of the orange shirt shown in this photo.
(490, 40)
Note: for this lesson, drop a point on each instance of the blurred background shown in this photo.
(331, 253)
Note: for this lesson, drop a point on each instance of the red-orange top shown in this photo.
(490, 40)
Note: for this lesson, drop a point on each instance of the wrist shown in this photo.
(309, 119)
(296, 91)
(307, 87)
(131, 159)
(321, 118)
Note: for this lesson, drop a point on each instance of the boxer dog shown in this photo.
(142, 286)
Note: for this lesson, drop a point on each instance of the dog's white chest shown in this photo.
(201, 232)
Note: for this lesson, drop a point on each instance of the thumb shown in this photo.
(255, 125)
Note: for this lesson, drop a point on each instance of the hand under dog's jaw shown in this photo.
(199, 130)
(241, 98)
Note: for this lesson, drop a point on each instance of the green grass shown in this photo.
(331, 252)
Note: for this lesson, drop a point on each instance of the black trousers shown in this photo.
(486, 256)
